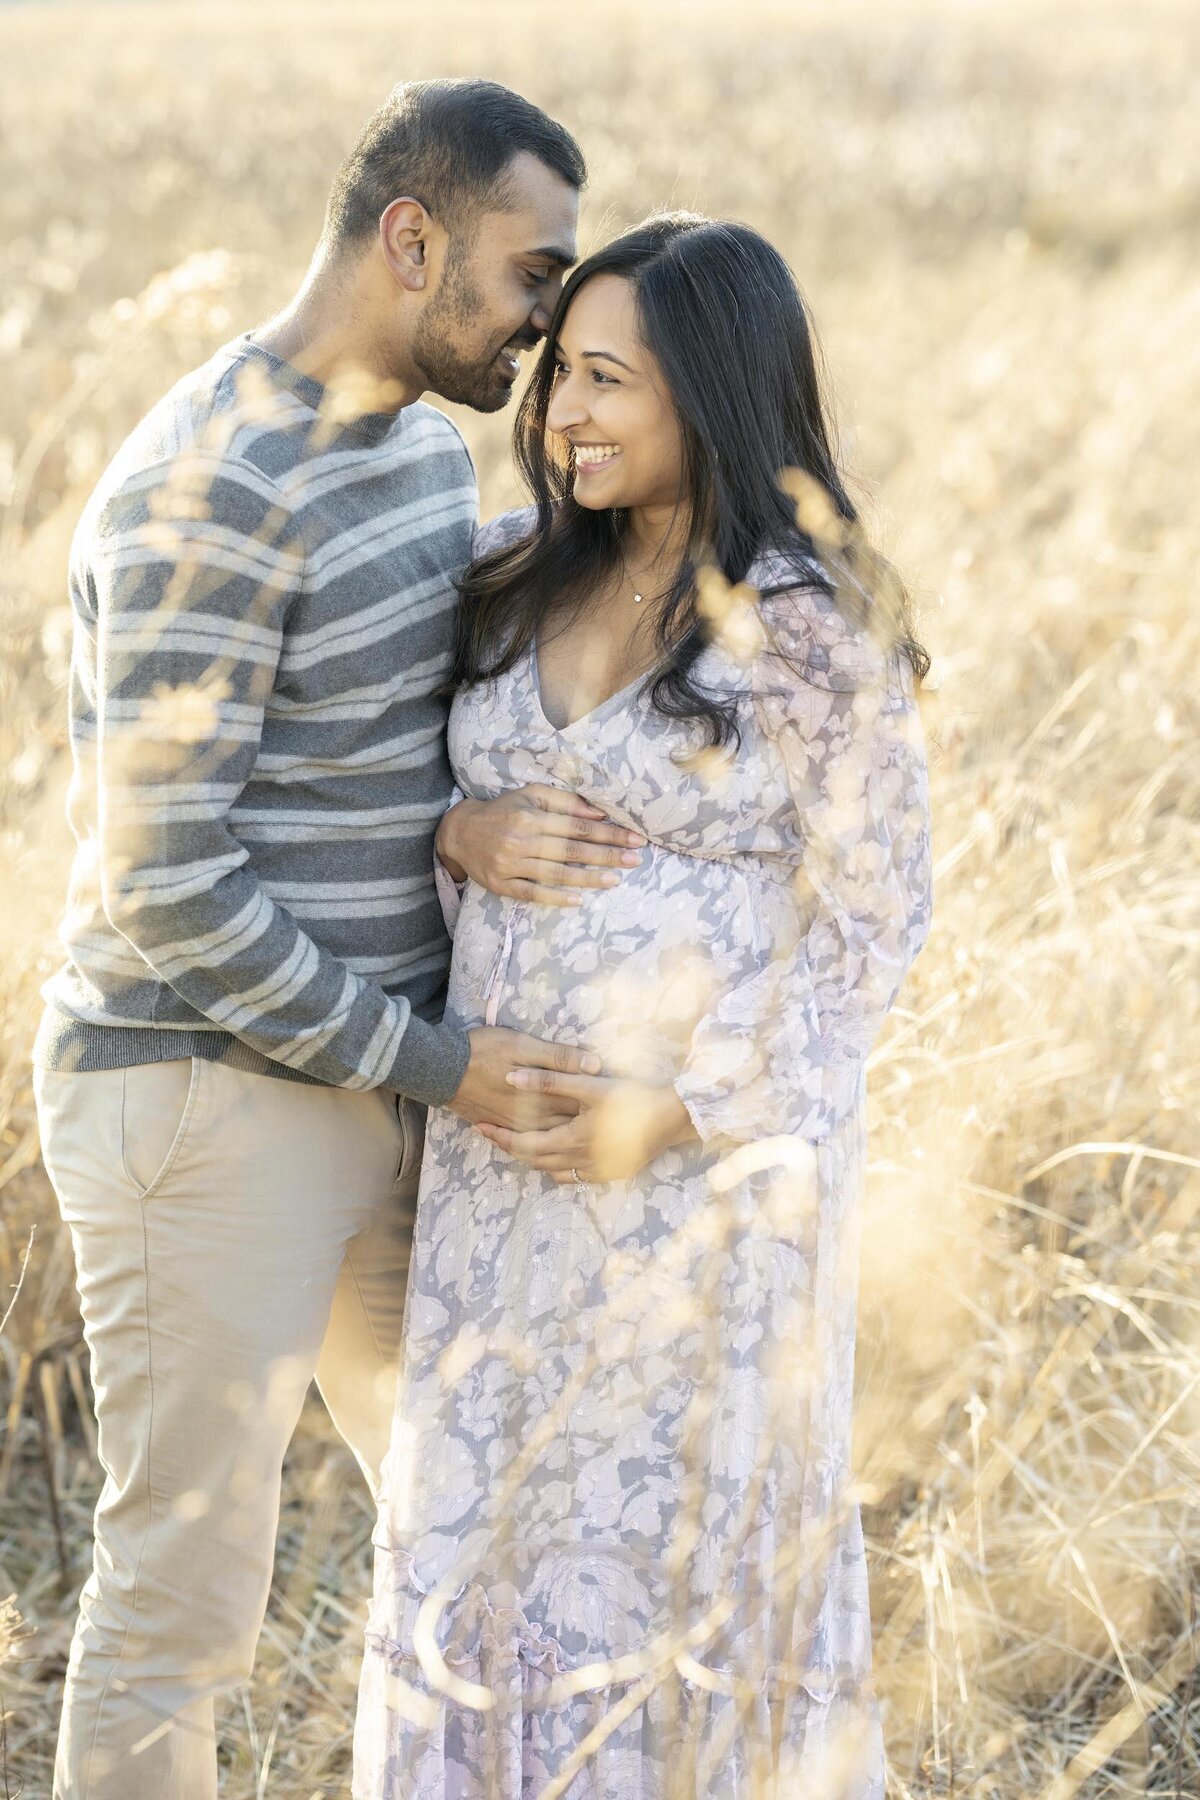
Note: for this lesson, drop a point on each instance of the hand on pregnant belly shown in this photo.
(537, 843)
(488, 1096)
(620, 1127)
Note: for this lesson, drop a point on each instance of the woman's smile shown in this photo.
(591, 457)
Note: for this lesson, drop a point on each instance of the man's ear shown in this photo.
(404, 231)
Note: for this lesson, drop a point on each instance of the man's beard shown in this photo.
(461, 378)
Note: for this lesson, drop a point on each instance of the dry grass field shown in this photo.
(995, 213)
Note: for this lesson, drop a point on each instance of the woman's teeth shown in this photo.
(594, 456)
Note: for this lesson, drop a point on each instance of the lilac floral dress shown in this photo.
(619, 1557)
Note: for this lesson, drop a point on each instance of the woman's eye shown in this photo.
(598, 375)
(560, 367)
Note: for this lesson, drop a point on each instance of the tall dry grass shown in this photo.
(995, 216)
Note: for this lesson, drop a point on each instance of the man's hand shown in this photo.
(538, 843)
(486, 1097)
(620, 1127)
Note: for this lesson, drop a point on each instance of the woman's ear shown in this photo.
(404, 231)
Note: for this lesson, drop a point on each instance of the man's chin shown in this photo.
(494, 400)
(486, 394)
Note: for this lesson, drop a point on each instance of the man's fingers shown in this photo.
(567, 1060)
(586, 1089)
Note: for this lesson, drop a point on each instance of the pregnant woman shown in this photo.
(620, 1556)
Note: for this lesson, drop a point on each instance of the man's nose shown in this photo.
(549, 295)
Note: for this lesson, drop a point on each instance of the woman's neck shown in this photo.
(656, 537)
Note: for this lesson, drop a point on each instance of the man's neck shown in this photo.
(330, 332)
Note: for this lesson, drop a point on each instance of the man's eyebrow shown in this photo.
(560, 255)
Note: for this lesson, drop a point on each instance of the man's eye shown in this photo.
(537, 277)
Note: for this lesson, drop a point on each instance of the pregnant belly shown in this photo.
(627, 973)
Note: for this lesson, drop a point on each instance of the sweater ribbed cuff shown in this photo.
(430, 1063)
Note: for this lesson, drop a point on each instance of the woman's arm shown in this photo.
(782, 1053)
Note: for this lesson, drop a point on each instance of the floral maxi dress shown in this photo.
(618, 1556)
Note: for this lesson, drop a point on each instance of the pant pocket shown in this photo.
(157, 1104)
(412, 1136)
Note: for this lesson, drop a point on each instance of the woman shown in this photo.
(620, 1558)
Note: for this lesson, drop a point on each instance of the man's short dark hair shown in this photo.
(448, 145)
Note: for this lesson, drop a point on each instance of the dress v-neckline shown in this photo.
(602, 706)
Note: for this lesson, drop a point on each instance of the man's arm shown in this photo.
(190, 604)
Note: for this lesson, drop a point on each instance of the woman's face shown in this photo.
(610, 403)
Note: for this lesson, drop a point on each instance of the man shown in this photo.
(235, 1058)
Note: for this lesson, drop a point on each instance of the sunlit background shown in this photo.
(994, 212)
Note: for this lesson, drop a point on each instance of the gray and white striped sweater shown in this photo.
(263, 598)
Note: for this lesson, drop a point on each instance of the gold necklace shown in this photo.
(637, 598)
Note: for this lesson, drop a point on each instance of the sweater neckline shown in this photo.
(364, 427)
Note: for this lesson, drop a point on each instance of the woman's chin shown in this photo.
(598, 496)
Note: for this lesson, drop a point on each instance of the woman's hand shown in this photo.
(621, 1126)
(537, 843)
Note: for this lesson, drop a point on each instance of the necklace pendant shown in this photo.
(637, 599)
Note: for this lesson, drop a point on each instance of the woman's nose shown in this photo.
(565, 410)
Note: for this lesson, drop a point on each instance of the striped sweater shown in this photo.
(263, 600)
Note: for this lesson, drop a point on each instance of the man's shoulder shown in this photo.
(437, 424)
(236, 442)
(220, 422)
(434, 429)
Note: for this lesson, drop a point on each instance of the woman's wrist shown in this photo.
(677, 1126)
(445, 839)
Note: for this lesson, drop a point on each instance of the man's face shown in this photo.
(499, 285)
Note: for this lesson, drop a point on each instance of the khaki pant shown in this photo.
(234, 1235)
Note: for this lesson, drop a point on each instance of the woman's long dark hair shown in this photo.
(719, 310)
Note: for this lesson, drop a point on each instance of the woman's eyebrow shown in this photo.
(607, 356)
(599, 356)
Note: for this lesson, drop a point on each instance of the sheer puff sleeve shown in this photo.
(781, 1050)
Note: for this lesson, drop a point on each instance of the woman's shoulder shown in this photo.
(823, 636)
(507, 528)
